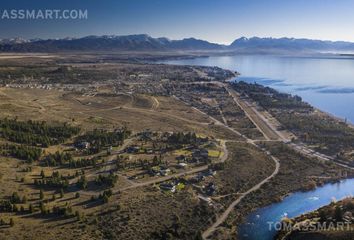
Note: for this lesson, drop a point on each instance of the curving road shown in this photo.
(220, 219)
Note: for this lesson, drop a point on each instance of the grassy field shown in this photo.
(136, 112)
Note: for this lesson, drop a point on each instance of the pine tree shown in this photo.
(42, 174)
(338, 213)
(12, 223)
(61, 193)
(105, 199)
(14, 208)
(31, 208)
(42, 208)
(78, 215)
(198, 236)
(41, 194)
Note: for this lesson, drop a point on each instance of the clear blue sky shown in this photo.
(214, 20)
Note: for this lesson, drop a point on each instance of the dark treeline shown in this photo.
(36, 133)
(54, 181)
(268, 97)
(58, 159)
(314, 129)
(22, 152)
(91, 162)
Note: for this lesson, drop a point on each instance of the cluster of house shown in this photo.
(198, 155)
(38, 86)
(134, 149)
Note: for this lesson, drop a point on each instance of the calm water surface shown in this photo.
(326, 83)
(257, 223)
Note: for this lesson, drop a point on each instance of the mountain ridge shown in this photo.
(144, 42)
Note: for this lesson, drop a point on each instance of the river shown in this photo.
(326, 83)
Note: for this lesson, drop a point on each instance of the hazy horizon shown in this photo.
(207, 20)
(187, 37)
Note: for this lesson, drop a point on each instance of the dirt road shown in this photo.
(226, 213)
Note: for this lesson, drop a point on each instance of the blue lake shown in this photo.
(258, 222)
(326, 83)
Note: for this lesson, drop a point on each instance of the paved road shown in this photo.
(270, 131)
(254, 115)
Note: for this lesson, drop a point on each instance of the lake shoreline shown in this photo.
(252, 212)
(298, 225)
(290, 74)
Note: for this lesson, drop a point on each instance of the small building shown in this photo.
(168, 187)
(149, 151)
(210, 189)
(181, 158)
(82, 145)
(155, 171)
(182, 165)
(210, 172)
(206, 200)
(165, 172)
(133, 149)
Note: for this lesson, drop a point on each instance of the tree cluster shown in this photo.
(109, 180)
(58, 159)
(36, 133)
(100, 139)
(54, 181)
(22, 152)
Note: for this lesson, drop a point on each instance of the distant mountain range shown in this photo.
(290, 45)
(145, 42)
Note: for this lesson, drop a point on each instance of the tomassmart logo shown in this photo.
(43, 14)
